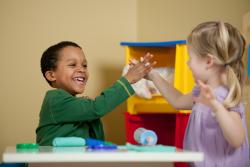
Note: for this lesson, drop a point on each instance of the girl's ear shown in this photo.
(210, 60)
(50, 76)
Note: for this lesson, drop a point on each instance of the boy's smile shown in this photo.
(71, 73)
(80, 79)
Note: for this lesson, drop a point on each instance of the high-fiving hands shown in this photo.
(138, 69)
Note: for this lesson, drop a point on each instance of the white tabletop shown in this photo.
(79, 154)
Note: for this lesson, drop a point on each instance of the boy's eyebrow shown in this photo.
(70, 59)
(73, 59)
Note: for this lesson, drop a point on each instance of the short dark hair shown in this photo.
(50, 56)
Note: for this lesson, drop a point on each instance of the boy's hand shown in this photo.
(139, 69)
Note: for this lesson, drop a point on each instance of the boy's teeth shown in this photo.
(79, 79)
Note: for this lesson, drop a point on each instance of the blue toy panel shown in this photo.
(154, 44)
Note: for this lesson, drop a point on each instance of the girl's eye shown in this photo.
(85, 66)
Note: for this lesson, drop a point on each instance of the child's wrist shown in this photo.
(152, 75)
(215, 105)
(128, 79)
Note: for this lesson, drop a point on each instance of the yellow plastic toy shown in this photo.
(171, 54)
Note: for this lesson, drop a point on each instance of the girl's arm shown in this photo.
(171, 94)
(230, 122)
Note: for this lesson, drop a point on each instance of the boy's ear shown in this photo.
(50, 76)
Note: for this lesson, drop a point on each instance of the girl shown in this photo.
(217, 125)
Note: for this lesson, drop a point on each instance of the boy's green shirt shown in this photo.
(64, 115)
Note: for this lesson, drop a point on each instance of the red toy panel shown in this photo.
(162, 124)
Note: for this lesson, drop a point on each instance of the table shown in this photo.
(79, 156)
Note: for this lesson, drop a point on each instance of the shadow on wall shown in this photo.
(114, 122)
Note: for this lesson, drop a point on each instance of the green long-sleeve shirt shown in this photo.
(64, 115)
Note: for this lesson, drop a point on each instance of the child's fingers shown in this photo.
(144, 68)
(154, 63)
(133, 61)
(148, 70)
(201, 84)
(146, 58)
(141, 59)
(206, 89)
(149, 66)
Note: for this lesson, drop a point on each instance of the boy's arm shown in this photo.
(171, 94)
(71, 109)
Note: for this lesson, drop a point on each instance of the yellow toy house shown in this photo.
(156, 113)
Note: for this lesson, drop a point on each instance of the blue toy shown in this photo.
(145, 137)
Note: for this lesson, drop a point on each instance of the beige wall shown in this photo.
(28, 27)
(173, 20)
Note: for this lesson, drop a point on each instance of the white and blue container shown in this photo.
(145, 137)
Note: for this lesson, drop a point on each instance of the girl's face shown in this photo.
(71, 73)
(197, 65)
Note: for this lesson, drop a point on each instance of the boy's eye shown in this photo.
(72, 65)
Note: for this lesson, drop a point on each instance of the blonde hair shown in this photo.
(226, 43)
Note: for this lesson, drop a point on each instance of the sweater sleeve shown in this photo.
(64, 107)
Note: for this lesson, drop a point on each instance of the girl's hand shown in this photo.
(151, 75)
(206, 95)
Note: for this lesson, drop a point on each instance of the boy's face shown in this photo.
(71, 73)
